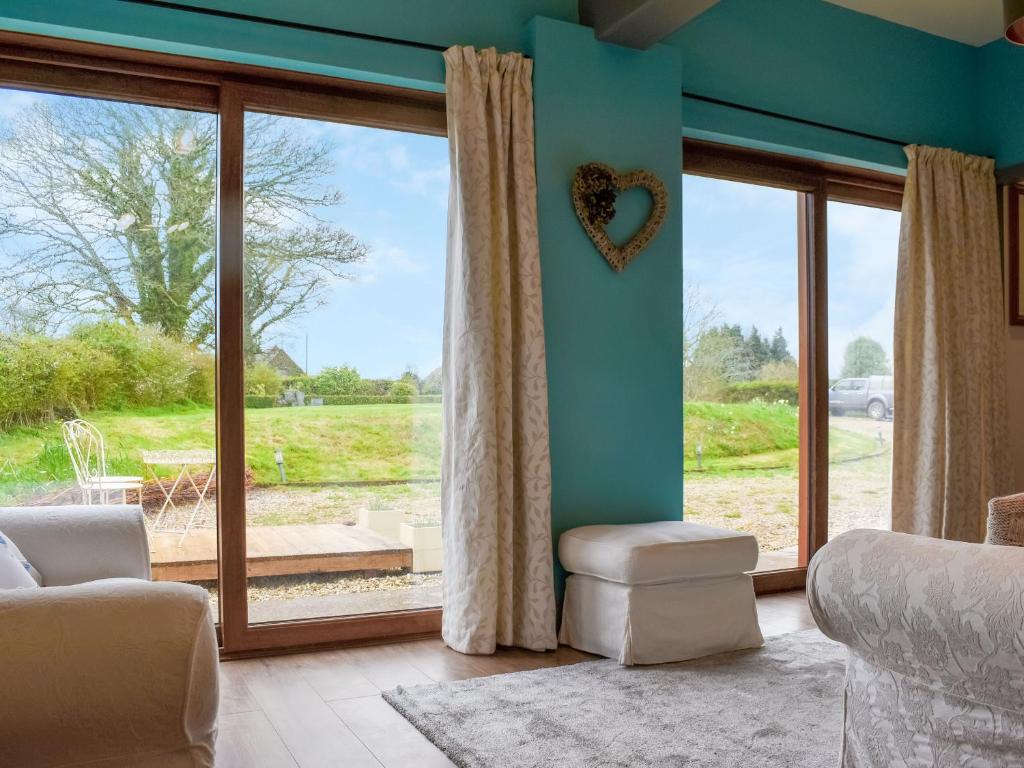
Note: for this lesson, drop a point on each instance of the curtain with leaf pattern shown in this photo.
(496, 477)
(950, 442)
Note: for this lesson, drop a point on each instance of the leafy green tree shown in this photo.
(431, 384)
(338, 380)
(758, 349)
(719, 358)
(779, 349)
(865, 357)
(262, 379)
(109, 209)
(402, 389)
(412, 378)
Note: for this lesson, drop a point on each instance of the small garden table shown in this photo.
(185, 462)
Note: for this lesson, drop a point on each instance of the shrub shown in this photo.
(263, 379)
(202, 378)
(105, 365)
(301, 383)
(402, 391)
(42, 379)
(378, 399)
(768, 391)
(786, 371)
(338, 380)
(153, 369)
(378, 387)
(260, 401)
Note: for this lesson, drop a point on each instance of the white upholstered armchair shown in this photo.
(100, 666)
(935, 632)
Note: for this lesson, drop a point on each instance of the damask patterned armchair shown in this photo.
(935, 632)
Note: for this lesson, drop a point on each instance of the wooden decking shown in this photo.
(278, 551)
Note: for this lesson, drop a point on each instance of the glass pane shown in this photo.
(344, 269)
(741, 325)
(862, 251)
(106, 329)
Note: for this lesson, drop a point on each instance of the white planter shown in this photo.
(425, 541)
(386, 522)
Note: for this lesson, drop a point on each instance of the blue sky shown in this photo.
(388, 316)
(740, 250)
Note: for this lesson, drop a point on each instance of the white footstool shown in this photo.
(658, 592)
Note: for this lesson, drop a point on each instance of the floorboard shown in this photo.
(325, 709)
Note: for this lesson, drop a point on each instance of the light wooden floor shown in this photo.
(325, 709)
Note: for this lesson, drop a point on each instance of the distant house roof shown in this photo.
(280, 361)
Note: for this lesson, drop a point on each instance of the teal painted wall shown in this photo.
(1001, 90)
(500, 23)
(614, 340)
(821, 62)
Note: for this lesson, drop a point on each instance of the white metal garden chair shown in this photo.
(89, 458)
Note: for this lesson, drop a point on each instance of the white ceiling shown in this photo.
(975, 22)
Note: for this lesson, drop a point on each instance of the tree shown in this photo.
(699, 316)
(431, 384)
(110, 210)
(758, 349)
(779, 349)
(402, 388)
(719, 358)
(338, 380)
(864, 357)
(412, 378)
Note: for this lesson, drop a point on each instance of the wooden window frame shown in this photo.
(816, 183)
(59, 66)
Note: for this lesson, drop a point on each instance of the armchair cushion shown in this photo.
(118, 672)
(75, 544)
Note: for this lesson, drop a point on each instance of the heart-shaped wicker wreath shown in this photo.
(594, 190)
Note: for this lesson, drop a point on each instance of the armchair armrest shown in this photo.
(946, 614)
(74, 544)
(119, 672)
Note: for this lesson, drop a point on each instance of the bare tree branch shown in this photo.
(109, 209)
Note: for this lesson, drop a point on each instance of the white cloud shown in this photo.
(13, 103)
(431, 183)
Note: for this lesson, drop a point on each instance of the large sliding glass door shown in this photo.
(789, 281)
(862, 244)
(343, 272)
(222, 300)
(331, 294)
(107, 343)
(741, 414)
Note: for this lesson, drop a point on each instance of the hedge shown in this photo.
(375, 399)
(768, 391)
(260, 401)
(103, 366)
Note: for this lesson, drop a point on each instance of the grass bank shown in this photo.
(320, 444)
(754, 438)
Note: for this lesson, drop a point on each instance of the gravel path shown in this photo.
(765, 504)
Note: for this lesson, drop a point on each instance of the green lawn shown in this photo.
(381, 442)
(754, 438)
(320, 444)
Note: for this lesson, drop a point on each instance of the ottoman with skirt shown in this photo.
(658, 592)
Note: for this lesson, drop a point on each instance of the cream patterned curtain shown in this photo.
(496, 477)
(950, 451)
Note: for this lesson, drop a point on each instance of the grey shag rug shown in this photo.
(781, 705)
